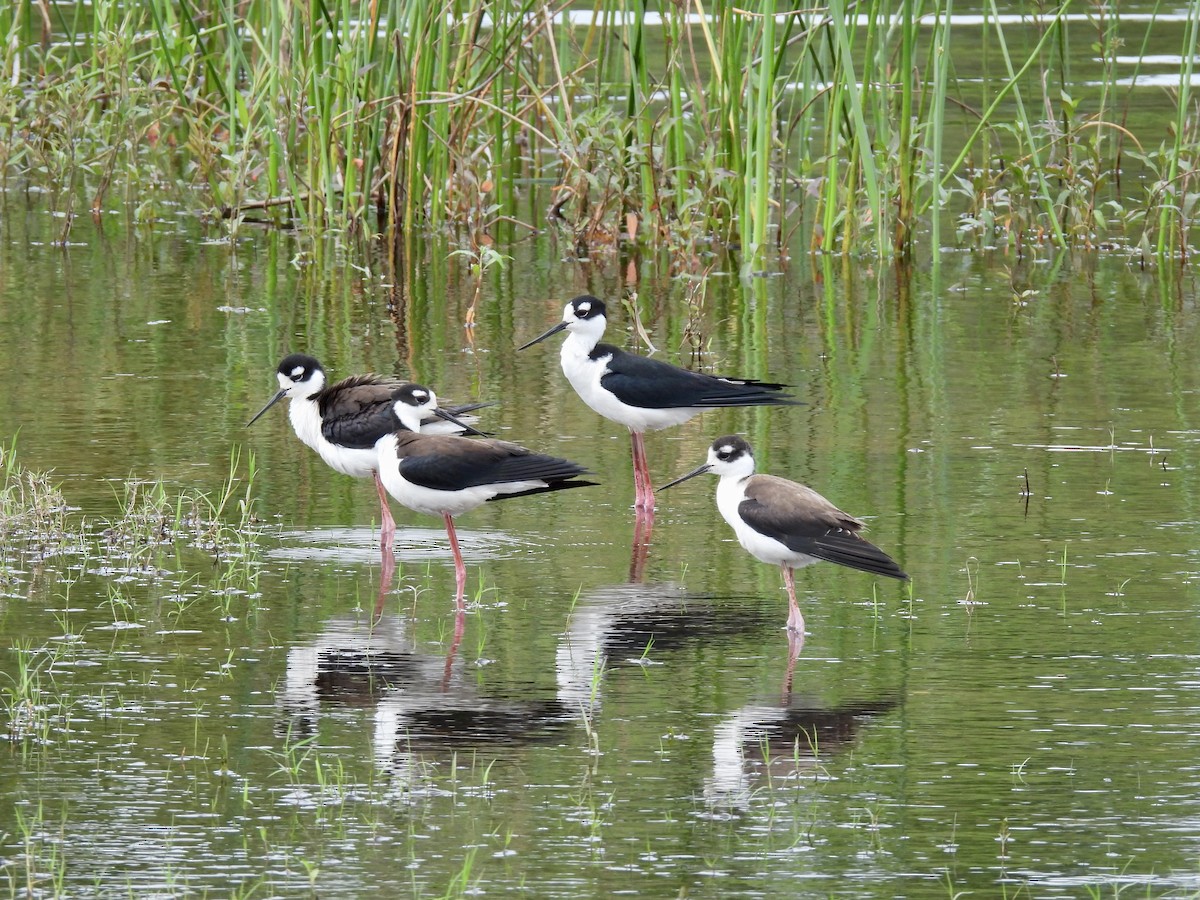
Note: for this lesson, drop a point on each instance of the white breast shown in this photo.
(306, 422)
(585, 373)
(730, 494)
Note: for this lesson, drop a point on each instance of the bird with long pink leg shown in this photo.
(784, 523)
(343, 422)
(640, 393)
(447, 475)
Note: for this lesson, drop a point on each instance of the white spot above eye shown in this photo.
(297, 372)
(585, 308)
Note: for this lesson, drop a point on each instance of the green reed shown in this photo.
(32, 506)
(1180, 187)
(672, 126)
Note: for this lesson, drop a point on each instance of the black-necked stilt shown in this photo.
(640, 393)
(784, 523)
(344, 421)
(446, 475)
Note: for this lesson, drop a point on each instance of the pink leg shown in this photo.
(637, 472)
(387, 525)
(460, 568)
(387, 535)
(643, 486)
(795, 645)
(381, 599)
(795, 619)
(648, 490)
(643, 527)
(459, 627)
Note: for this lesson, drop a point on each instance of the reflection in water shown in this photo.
(429, 702)
(620, 622)
(413, 544)
(422, 700)
(643, 529)
(781, 738)
(1085, 662)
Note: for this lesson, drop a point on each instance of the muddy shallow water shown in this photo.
(622, 714)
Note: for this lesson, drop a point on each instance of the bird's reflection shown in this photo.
(429, 702)
(618, 624)
(353, 662)
(643, 529)
(773, 739)
(422, 700)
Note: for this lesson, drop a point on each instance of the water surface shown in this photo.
(622, 715)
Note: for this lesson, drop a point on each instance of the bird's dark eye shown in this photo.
(583, 309)
(297, 373)
(724, 453)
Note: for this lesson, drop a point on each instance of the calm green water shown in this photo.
(192, 733)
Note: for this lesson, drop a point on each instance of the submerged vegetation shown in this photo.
(131, 549)
(32, 507)
(848, 128)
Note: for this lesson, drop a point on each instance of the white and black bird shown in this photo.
(784, 523)
(447, 475)
(344, 421)
(640, 393)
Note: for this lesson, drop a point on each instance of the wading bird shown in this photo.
(344, 421)
(447, 475)
(640, 393)
(784, 523)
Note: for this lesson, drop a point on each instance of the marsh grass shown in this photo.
(154, 537)
(28, 705)
(41, 867)
(150, 514)
(688, 127)
(32, 507)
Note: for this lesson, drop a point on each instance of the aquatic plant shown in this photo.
(152, 524)
(29, 703)
(32, 507)
(687, 127)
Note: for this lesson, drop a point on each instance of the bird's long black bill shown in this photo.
(270, 403)
(541, 337)
(699, 470)
(442, 414)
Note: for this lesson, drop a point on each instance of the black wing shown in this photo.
(357, 411)
(462, 409)
(654, 384)
(804, 521)
(450, 463)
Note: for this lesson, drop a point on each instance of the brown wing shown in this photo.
(804, 521)
(357, 411)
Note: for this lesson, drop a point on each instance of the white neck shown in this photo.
(583, 336)
(306, 421)
(315, 384)
(409, 416)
